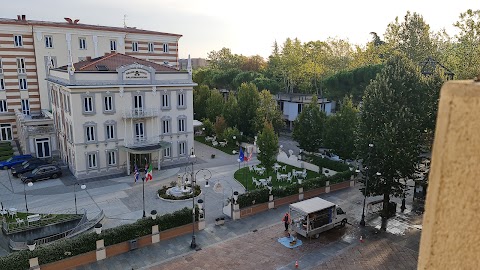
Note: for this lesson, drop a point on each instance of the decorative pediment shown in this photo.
(136, 72)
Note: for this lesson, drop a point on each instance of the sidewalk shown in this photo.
(251, 243)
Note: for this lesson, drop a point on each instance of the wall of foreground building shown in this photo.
(451, 223)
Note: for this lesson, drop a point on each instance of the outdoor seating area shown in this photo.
(279, 175)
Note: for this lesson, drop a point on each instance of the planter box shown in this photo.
(219, 222)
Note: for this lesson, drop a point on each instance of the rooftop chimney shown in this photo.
(68, 20)
(76, 21)
(24, 18)
(19, 17)
(89, 58)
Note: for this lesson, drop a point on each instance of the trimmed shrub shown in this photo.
(84, 243)
(328, 164)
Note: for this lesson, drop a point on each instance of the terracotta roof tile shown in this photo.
(113, 61)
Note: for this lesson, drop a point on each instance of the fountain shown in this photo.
(181, 189)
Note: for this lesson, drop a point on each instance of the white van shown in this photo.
(313, 216)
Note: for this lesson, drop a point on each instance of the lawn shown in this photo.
(244, 176)
(227, 149)
(46, 220)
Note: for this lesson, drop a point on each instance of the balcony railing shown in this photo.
(141, 113)
(38, 130)
(140, 142)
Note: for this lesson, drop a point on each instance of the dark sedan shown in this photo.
(27, 166)
(41, 173)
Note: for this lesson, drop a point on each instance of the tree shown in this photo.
(224, 59)
(411, 37)
(247, 108)
(220, 126)
(393, 120)
(309, 127)
(268, 146)
(214, 105)
(230, 110)
(467, 47)
(267, 110)
(340, 130)
(200, 97)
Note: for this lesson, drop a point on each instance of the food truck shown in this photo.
(313, 216)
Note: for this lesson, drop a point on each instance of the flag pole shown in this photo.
(143, 187)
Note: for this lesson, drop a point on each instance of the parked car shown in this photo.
(332, 156)
(42, 172)
(7, 164)
(27, 166)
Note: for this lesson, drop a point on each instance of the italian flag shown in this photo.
(149, 175)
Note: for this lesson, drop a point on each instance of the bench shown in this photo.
(33, 218)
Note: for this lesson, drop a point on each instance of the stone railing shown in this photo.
(141, 113)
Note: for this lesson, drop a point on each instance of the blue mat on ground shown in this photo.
(286, 242)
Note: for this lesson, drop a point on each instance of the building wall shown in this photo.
(451, 226)
(123, 100)
(8, 55)
(65, 39)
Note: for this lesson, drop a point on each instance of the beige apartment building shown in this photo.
(29, 48)
(117, 111)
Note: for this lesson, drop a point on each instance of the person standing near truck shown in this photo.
(286, 220)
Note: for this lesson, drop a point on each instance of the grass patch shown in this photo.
(244, 176)
(227, 149)
(46, 219)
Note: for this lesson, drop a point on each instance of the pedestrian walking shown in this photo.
(286, 220)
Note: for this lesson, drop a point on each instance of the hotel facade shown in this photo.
(117, 111)
(29, 49)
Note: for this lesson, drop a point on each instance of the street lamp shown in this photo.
(75, 194)
(193, 244)
(30, 184)
(362, 222)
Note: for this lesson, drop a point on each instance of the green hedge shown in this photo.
(261, 195)
(84, 243)
(328, 164)
(6, 152)
(4, 158)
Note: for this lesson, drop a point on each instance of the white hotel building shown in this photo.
(29, 48)
(115, 111)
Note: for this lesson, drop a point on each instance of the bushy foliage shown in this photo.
(84, 243)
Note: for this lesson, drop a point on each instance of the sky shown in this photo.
(247, 27)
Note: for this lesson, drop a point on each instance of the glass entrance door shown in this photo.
(43, 147)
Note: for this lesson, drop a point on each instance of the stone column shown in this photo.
(101, 251)
(300, 193)
(34, 264)
(236, 211)
(450, 235)
(155, 234)
(271, 203)
(327, 186)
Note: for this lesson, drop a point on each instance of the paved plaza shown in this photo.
(249, 243)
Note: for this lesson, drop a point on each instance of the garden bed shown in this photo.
(229, 148)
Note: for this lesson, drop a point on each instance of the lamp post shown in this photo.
(30, 184)
(193, 244)
(362, 221)
(75, 193)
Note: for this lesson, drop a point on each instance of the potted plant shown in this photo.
(220, 221)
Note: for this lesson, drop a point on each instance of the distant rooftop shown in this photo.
(69, 23)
